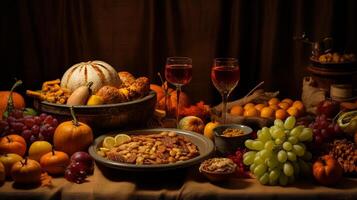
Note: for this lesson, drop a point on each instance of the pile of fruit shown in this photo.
(33, 144)
(274, 109)
(92, 83)
(336, 58)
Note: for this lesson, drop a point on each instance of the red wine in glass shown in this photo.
(178, 71)
(225, 78)
(178, 74)
(225, 75)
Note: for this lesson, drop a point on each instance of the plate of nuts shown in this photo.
(151, 149)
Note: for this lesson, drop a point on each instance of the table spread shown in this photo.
(175, 184)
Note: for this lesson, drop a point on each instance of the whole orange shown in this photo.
(281, 114)
(237, 110)
(287, 100)
(293, 111)
(251, 112)
(267, 112)
(273, 101)
(283, 105)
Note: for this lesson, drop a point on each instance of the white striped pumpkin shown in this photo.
(99, 72)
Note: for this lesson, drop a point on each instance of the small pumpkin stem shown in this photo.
(10, 101)
(24, 163)
(162, 80)
(53, 150)
(8, 139)
(74, 121)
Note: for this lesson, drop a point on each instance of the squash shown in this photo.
(17, 101)
(171, 100)
(54, 162)
(99, 72)
(26, 172)
(72, 136)
(80, 95)
(13, 144)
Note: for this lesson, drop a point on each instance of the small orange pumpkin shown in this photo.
(171, 98)
(13, 144)
(54, 162)
(17, 100)
(26, 172)
(72, 136)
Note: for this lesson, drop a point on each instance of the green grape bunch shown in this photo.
(279, 154)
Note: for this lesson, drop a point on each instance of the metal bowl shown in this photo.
(109, 116)
(205, 147)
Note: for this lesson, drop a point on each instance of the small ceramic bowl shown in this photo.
(217, 176)
(228, 145)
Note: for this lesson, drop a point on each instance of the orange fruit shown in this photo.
(273, 101)
(293, 111)
(274, 107)
(267, 112)
(283, 105)
(281, 114)
(237, 110)
(251, 112)
(248, 105)
(259, 106)
(287, 100)
(298, 105)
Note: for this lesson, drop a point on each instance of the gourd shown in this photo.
(99, 72)
(26, 172)
(72, 136)
(13, 144)
(54, 162)
(16, 100)
(80, 95)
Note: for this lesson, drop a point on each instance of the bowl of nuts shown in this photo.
(228, 137)
(218, 169)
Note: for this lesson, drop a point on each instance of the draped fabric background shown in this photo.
(40, 39)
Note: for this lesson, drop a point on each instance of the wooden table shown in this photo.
(180, 184)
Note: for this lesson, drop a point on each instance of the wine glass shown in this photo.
(225, 75)
(178, 71)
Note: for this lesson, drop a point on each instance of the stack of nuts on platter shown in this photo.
(32, 145)
(93, 83)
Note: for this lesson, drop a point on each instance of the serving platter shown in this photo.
(205, 147)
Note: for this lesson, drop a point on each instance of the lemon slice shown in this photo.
(104, 149)
(121, 139)
(109, 142)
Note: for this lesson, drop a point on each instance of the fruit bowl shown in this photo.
(108, 116)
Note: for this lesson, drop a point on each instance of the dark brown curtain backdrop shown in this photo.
(39, 40)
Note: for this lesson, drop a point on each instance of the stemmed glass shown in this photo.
(178, 71)
(225, 75)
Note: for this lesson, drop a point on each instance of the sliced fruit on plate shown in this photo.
(121, 139)
(109, 142)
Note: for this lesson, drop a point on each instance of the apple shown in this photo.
(192, 123)
(8, 160)
(327, 171)
(85, 159)
(208, 131)
(38, 149)
(329, 108)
